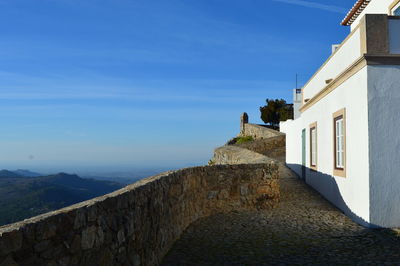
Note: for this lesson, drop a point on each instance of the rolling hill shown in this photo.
(26, 173)
(22, 197)
(9, 174)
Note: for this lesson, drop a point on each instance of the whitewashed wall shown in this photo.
(374, 7)
(293, 128)
(351, 194)
(345, 56)
(394, 36)
(384, 146)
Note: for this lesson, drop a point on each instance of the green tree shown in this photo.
(275, 111)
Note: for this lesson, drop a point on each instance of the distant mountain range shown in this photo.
(26, 173)
(124, 177)
(8, 174)
(122, 180)
(18, 173)
(24, 194)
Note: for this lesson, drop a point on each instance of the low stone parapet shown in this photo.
(232, 154)
(274, 147)
(137, 224)
(259, 131)
(254, 130)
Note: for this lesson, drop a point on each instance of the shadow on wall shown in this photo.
(327, 187)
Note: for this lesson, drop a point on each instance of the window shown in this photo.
(339, 133)
(396, 12)
(339, 142)
(313, 146)
(394, 8)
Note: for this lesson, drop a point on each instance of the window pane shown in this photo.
(341, 127)
(341, 136)
(341, 144)
(337, 143)
(337, 128)
(397, 12)
(337, 159)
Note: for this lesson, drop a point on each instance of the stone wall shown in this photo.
(254, 130)
(233, 154)
(274, 147)
(137, 224)
(259, 131)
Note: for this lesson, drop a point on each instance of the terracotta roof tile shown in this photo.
(358, 7)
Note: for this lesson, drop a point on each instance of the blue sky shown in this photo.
(125, 84)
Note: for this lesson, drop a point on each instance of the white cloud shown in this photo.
(331, 8)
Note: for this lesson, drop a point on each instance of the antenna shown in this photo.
(296, 80)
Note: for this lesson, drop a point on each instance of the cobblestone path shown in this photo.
(303, 229)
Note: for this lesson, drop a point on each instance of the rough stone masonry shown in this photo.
(256, 131)
(138, 224)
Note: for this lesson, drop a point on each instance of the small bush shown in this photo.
(232, 141)
(244, 139)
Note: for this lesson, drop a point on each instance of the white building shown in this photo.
(297, 102)
(346, 141)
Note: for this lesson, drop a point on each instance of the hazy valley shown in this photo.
(24, 194)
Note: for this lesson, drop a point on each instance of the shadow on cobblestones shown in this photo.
(328, 187)
(303, 229)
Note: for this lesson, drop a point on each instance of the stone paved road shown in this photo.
(303, 229)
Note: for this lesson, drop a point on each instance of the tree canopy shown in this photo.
(275, 111)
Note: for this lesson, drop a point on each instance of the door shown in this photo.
(303, 154)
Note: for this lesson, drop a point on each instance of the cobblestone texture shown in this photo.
(303, 229)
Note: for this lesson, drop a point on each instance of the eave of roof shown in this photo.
(358, 7)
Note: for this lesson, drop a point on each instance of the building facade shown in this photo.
(345, 142)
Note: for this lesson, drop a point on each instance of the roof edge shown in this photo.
(354, 12)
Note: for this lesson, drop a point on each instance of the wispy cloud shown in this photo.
(331, 8)
(22, 88)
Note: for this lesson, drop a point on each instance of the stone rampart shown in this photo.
(259, 131)
(137, 224)
(274, 147)
(230, 154)
(254, 130)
